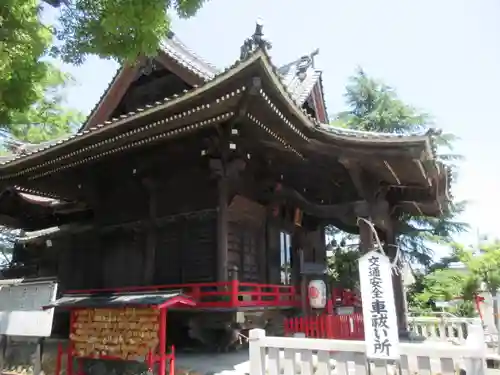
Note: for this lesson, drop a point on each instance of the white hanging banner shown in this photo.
(379, 310)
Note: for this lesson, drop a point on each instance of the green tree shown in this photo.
(118, 29)
(439, 282)
(484, 269)
(374, 106)
(32, 91)
(447, 285)
(48, 118)
(343, 268)
(23, 42)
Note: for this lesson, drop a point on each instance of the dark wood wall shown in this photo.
(183, 230)
(114, 253)
(246, 239)
(186, 249)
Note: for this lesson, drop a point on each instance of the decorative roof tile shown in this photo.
(177, 50)
(299, 86)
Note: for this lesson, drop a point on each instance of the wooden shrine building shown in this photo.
(184, 174)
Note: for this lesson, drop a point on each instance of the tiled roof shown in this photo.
(185, 57)
(296, 118)
(343, 132)
(307, 120)
(299, 87)
(140, 298)
(28, 148)
(173, 47)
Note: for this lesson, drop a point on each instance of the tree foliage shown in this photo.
(343, 268)
(32, 89)
(47, 118)
(483, 266)
(442, 283)
(24, 40)
(480, 272)
(118, 29)
(374, 106)
(484, 270)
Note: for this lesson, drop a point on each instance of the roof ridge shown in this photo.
(379, 134)
(175, 39)
(173, 46)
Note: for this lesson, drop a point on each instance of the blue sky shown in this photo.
(441, 56)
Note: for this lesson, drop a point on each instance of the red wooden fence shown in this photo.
(340, 327)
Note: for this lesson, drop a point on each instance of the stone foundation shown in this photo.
(20, 356)
(20, 359)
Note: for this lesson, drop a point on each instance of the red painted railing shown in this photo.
(340, 327)
(229, 294)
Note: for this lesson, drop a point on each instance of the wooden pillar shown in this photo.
(225, 169)
(365, 236)
(397, 282)
(222, 225)
(92, 194)
(150, 253)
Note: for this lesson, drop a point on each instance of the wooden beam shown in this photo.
(183, 73)
(365, 187)
(112, 98)
(378, 211)
(397, 280)
(370, 190)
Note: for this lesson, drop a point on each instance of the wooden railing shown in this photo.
(325, 326)
(231, 294)
(305, 356)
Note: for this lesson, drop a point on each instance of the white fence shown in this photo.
(452, 329)
(291, 356)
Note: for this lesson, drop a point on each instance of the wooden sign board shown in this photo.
(379, 310)
(21, 307)
(126, 333)
(308, 268)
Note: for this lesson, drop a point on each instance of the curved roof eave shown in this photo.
(260, 57)
(339, 134)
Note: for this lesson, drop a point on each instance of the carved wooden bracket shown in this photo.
(347, 213)
(368, 187)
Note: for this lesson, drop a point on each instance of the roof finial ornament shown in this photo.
(313, 55)
(255, 42)
(305, 63)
